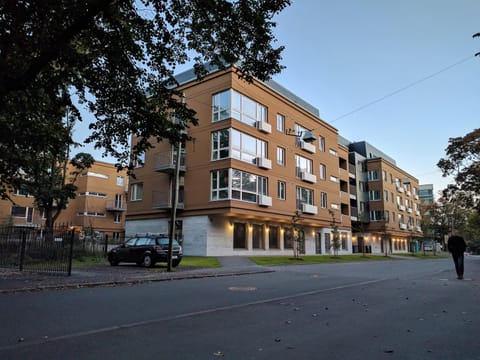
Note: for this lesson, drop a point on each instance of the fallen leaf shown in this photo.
(218, 353)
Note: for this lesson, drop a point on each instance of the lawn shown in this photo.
(313, 259)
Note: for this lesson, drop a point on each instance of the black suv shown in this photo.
(145, 250)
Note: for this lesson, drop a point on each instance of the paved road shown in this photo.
(405, 309)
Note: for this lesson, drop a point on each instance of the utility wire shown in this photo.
(402, 89)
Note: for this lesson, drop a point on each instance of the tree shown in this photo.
(298, 233)
(463, 162)
(335, 233)
(472, 231)
(117, 58)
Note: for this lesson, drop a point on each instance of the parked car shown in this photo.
(145, 250)
(428, 246)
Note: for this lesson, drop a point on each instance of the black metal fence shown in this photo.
(34, 249)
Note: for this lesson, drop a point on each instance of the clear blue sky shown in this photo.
(345, 54)
(342, 55)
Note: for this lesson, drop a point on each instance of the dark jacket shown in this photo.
(456, 245)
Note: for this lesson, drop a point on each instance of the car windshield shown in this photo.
(164, 241)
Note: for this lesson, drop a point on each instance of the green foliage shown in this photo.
(463, 162)
(117, 59)
(335, 233)
(472, 231)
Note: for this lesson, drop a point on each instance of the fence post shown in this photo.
(22, 250)
(70, 255)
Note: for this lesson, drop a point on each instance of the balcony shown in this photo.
(307, 177)
(409, 210)
(264, 200)
(419, 229)
(163, 200)
(417, 212)
(264, 163)
(307, 147)
(165, 162)
(401, 207)
(264, 127)
(309, 209)
(408, 192)
(400, 189)
(113, 205)
(403, 226)
(416, 197)
(410, 227)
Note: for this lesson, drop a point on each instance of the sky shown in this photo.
(400, 75)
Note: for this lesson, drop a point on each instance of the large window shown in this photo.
(233, 104)
(273, 242)
(136, 192)
(374, 195)
(231, 142)
(238, 185)
(373, 175)
(257, 236)
(376, 215)
(303, 165)
(304, 196)
(247, 148)
(221, 144)
(219, 185)
(239, 236)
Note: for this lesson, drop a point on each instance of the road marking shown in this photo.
(181, 316)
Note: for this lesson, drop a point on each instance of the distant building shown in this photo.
(426, 194)
(99, 205)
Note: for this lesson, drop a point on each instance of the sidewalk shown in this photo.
(12, 281)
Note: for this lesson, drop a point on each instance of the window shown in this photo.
(333, 152)
(239, 236)
(246, 186)
(117, 217)
(220, 144)
(94, 174)
(247, 148)
(321, 143)
(385, 195)
(233, 104)
(281, 190)
(273, 242)
(136, 192)
(334, 179)
(280, 156)
(120, 180)
(304, 196)
(323, 200)
(19, 211)
(373, 175)
(374, 195)
(288, 238)
(323, 172)
(20, 192)
(93, 193)
(257, 236)
(302, 165)
(281, 123)
(384, 173)
(140, 160)
(219, 185)
(376, 215)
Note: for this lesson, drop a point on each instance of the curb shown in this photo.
(130, 282)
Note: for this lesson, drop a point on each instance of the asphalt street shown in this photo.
(396, 309)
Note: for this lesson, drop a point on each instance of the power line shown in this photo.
(402, 89)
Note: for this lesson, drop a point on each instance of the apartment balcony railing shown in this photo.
(307, 146)
(400, 189)
(264, 163)
(264, 127)
(403, 226)
(264, 200)
(113, 205)
(401, 207)
(307, 177)
(309, 209)
(165, 162)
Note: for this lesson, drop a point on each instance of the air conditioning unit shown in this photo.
(264, 163)
(309, 209)
(306, 176)
(307, 147)
(264, 127)
(264, 200)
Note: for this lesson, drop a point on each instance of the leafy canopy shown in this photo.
(463, 162)
(117, 58)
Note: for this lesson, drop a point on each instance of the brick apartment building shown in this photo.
(258, 155)
(100, 204)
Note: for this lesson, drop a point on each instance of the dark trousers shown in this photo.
(458, 260)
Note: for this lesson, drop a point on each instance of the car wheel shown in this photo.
(113, 261)
(175, 263)
(148, 261)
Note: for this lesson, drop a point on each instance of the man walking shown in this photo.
(456, 245)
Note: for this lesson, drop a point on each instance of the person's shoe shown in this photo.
(460, 277)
